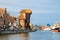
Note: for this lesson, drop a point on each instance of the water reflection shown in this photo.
(24, 36)
(42, 35)
(3, 37)
(21, 36)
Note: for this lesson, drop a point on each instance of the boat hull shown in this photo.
(55, 30)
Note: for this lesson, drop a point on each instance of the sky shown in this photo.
(43, 11)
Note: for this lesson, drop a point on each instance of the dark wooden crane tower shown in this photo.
(24, 18)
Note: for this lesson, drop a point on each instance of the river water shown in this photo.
(39, 35)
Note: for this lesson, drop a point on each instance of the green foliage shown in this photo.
(48, 25)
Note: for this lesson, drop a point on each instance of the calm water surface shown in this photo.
(39, 35)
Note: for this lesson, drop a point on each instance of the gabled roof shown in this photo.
(26, 11)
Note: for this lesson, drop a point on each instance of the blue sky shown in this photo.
(43, 11)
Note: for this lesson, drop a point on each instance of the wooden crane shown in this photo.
(24, 19)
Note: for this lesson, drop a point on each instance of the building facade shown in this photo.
(6, 18)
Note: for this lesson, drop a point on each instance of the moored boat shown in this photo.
(55, 30)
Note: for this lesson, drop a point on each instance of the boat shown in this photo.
(3, 32)
(47, 29)
(55, 30)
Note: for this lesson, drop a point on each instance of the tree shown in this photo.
(48, 25)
